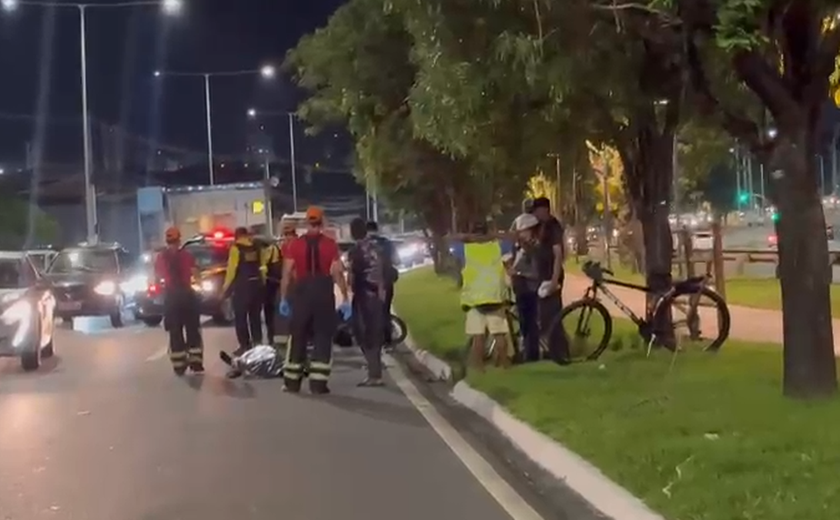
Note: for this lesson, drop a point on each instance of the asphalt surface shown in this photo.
(105, 431)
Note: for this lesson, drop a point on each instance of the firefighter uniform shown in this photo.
(180, 306)
(273, 271)
(244, 280)
(313, 315)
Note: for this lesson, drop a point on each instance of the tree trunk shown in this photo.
(809, 361)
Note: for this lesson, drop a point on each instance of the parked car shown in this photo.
(87, 280)
(27, 311)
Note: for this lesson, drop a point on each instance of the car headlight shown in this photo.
(106, 288)
(207, 286)
(135, 284)
(20, 314)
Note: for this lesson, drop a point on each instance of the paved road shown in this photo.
(106, 432)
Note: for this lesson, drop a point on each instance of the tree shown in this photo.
(23, 224)
(784, 53)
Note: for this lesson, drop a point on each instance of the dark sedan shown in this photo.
(88, 281)
(27, 318)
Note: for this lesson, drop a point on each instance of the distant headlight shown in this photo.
(407, 251)
(106, 288)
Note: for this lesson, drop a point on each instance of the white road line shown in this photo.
(507, 497)
(160, 354)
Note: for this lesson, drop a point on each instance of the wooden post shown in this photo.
(687, 250)
(717, 257)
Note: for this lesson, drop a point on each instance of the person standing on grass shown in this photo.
(483, 295)
(525, 279)
(550, 257)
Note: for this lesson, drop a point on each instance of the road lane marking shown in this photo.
(502, 492)
(158, 355)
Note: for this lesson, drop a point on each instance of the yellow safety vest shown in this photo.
(483, 274)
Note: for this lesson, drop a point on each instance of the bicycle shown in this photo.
(513, 335)
(694, 288)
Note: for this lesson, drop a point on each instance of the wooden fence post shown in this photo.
(717, 258)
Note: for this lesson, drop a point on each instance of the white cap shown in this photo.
(525, 221)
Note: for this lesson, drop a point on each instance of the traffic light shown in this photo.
(775, 216)
(743, 197)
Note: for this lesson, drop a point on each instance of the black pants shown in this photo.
(387, 327)
(557, 343)
(313, 317)
(270, 309)
(247, 303)
(183, 323)
(527, 306)
(367, 327)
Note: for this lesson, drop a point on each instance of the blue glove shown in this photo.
(346, 310)
(284, 308)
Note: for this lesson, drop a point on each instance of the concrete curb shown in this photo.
(439, 369)
(585, 479)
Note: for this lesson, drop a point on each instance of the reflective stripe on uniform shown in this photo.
(179, 359)
(195, 354)
(319, 371)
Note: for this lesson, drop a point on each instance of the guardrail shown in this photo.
(741, 258)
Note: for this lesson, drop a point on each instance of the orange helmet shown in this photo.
(173, 234)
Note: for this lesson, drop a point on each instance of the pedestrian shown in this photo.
(368, 277)
(392, 274)
(283, 322)
(318, 268)
(525, 281)
(177, 268)
(483, 295)
(273, 272)
(551, 253)
(244, 282)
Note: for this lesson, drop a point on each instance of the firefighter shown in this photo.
(244, 281)
(283, 322)
(318, 268)
(177, 268)
(273, 271)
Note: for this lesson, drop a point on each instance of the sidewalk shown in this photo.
(748, 324)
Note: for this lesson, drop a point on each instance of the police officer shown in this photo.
(176, 268)
(273, 272)
(389, 256)
(368, 281)
(244, 281)
(318, 268)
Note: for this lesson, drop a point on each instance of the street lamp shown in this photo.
(266, 71)
(169, 7)
(253, 113)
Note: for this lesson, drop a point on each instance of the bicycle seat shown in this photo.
(689, 284)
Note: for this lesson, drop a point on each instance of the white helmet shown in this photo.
(525, 221)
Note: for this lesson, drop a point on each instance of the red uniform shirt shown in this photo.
(184, 258)
(327, 254)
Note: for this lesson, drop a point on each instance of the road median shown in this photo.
(697, 436)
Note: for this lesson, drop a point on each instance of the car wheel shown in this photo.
(118, 315)
(225, 314)
(30, 360)
(48, 350)
(153, 321)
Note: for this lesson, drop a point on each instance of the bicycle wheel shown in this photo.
(588, 338)
(700, 318)
(399, 330)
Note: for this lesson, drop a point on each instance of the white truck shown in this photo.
(201, 210)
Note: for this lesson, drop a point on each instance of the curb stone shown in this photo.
(439, 369)
(585, 479)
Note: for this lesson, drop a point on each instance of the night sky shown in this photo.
(39, 57)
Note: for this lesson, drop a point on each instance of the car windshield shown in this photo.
(207, 256)
(84, 260)
(10, 277)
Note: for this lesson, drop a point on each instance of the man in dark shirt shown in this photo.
(390, 261)
(550, 257)
(368, 283)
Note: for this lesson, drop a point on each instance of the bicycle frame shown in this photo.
(592, 293)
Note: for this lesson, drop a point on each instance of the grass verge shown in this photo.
(699, 438)
(759, 293)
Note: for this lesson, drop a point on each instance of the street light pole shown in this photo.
(294, 166)
(90, 193)
(209, 130)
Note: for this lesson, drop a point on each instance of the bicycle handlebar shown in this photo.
(594, 270)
